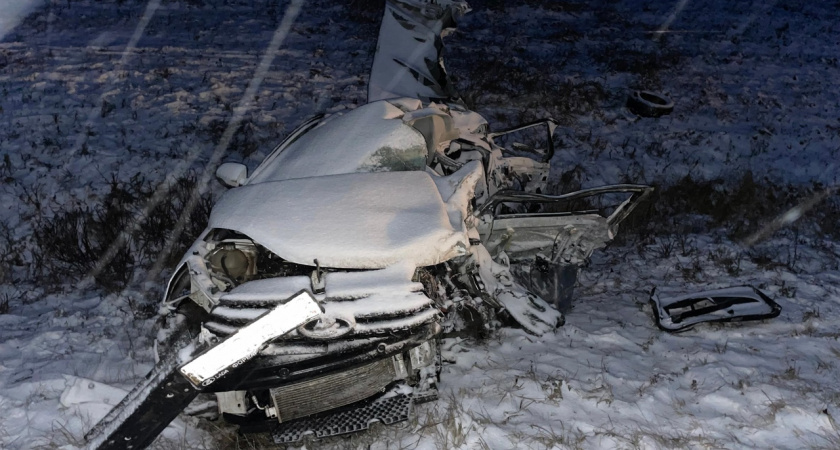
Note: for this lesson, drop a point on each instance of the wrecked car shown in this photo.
(315, 300)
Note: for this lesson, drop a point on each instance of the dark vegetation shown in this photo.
(746, 211)
(742, 207)
(366, 11)
(122, 235)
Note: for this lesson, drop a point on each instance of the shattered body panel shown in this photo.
(409, 62)
(680, 312)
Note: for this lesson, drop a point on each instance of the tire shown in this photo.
(649, 104)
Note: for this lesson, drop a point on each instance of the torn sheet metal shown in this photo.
(408, 60)
(735, 304)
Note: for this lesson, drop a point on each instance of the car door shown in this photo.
(545, 239)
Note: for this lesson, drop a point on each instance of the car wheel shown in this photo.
(649, 104)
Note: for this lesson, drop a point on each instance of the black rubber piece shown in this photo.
(387, 410)
(166, 396)
(649, 104)
(155, 402)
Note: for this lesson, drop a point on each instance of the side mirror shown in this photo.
(232, 174)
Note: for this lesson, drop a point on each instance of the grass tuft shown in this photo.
(122, 233)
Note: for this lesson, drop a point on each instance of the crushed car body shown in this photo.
(404, 221)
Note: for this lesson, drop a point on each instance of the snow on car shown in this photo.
(403, 220)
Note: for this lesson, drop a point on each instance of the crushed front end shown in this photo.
(375, 342)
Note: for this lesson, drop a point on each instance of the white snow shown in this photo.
(390, 280)
(459, 189)
(360, 221)
(89, 399)
(338, 285)
(271, 289)
(378, 303)
(349, 295)
(371, 138)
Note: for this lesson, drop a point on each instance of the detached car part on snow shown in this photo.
(404, 220)
(680, 312)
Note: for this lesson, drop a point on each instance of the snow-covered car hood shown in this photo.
(351, 221)
(370, 138)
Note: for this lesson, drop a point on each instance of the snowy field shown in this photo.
(132, 98)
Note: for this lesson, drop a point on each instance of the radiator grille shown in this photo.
(332, 391)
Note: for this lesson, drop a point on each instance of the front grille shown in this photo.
(331, 391)
(369, 303)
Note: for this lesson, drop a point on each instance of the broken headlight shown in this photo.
(231, 262)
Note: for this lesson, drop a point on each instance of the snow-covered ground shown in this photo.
(93, 93)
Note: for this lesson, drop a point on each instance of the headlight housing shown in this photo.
(231, 262)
